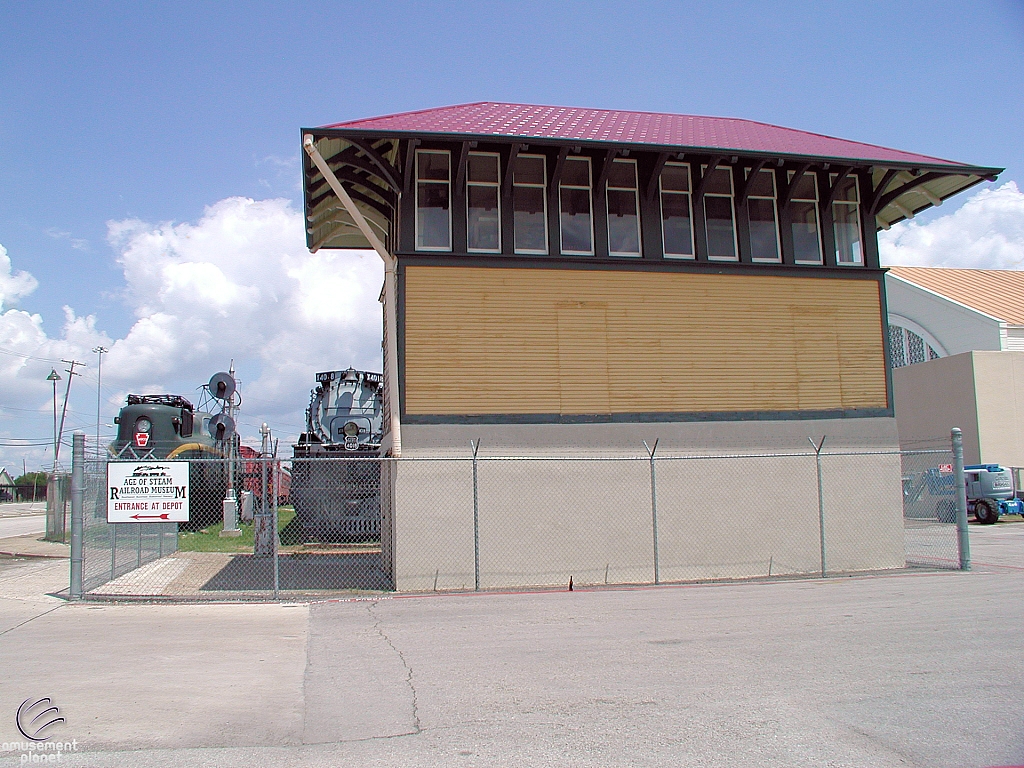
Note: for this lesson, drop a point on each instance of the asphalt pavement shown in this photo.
(918, 669)
(21, 525)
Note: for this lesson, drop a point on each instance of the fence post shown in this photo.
(77, 505)
(273, 523)
(654, 509)
(821, 501)
(962, 539)
(476, 518)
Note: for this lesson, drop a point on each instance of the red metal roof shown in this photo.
(487, 118)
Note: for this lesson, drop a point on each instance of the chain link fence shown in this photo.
(264, 528)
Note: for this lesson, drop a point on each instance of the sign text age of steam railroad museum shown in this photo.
(147, 492)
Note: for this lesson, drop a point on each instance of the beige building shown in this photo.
(957, 348)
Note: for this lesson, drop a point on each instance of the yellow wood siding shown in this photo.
(513, 341)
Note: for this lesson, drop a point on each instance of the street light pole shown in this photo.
(99, 382)
(54, 377)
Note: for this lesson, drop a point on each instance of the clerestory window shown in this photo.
(763, 218)
(846, 221)
(529, 203)
(433, 200)
(803, 210)
(574, 214)
(720, 223)
(676, 211)
(483, 206)
(623, 204)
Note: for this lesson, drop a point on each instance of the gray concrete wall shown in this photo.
(542, 521)
(957, 328)
(931, 398)
(675, 438)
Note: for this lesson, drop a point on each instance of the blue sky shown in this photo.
(120, 121)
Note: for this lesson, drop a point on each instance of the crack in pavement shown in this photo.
(32, 618)
(408, 679)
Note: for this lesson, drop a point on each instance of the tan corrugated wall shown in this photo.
(513, 341)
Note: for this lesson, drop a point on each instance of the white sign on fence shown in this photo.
(147, 492)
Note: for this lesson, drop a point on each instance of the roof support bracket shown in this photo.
(787, 196)
(652, 183)
(705, 177)
(389, 173)
(410, 164)
(877, 192)
(506, 187)
(833, 188)
(744, 189)
(890, 197)
(460, 173)
(602, 173)
(556, 174)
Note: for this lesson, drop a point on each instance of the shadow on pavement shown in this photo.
(244, 573)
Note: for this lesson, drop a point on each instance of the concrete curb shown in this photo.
(38, 555)
(30, 545)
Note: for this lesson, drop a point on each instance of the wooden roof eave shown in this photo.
(369, 182)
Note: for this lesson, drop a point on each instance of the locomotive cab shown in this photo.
(157, 423)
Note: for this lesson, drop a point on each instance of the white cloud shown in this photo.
(13, 285)
(78, 243)
(987, 232)
(238, 284)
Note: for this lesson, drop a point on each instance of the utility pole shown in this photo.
(99, 383)
(64, 411)
(54, 377)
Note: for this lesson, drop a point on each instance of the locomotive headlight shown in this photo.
(351, 429)
(143, 425)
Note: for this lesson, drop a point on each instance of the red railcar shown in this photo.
(253, 474)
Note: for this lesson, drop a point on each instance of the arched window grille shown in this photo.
(907, 347)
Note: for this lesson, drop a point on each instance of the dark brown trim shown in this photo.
(643, 418)
(499, 261)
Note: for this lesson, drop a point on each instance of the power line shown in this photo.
(28, 357)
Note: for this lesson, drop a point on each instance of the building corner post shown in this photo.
(962, 537)
(77, 504)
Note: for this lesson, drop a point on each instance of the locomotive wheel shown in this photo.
(986, 512)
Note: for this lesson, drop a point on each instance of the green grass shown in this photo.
(209, 539)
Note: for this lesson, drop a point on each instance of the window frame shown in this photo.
(635, 189)
(732, 212)
(855, 205)
(590, 197)
(496, 185)
(817, 217)
(692, 255)
(775, 207)
(448, 184)
(543, 187)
